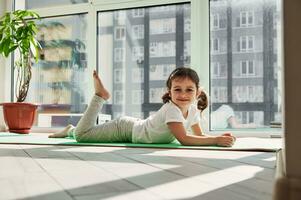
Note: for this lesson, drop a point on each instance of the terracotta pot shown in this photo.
(19, 117)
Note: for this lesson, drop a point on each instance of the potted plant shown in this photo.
(17, 34)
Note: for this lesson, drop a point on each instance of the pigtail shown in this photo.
(166, 97)
(202, 102)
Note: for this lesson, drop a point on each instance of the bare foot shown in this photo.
(100, 90)
(63, 133)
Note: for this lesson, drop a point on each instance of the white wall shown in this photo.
(292, 74)
(289, 185)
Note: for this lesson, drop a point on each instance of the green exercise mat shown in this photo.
(242, 144)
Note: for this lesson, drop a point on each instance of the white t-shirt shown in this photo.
(220, 117)
(154, 129)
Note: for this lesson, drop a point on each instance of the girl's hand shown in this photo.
(225, 140)
(229, 134)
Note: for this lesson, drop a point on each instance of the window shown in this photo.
(163, 26)
(119, 33)
(118, 97)
(138, 46)
(139, 12)
(160, 72)
(251, 59)
(138, 31)
(215, 45)
(33, 4)
(156, 94)
(249, 93)
(247, 68)
(246, 18)
(137, 96)
(218, 70)
(137, 58)
(162, 49)
(138, 53)
(246, 43)
(118, 76)
(187, 25)
(215, 21)
(119, 54)
(138, 75)
(219, 94)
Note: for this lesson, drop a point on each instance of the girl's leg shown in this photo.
(113, 131)
(64, 133)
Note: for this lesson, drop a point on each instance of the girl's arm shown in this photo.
(196, 129)
(179, 132)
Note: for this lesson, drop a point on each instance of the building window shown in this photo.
(246, 18)
(138, 75)
(246, 43)
(118, 76)
(138, 53)
(138, 31)
(119, 54)
(138, 12)
(162, 49)
(160, 72)
(247, 93)
(137, 96)
(247, 68)
(214, 20)
(119, 33)
(162, 26)
(218, 70)
(187, 25)
(215, 45)
(219, 94)
(156, 94)
(118, 97)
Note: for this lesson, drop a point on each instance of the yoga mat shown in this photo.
(242, 144)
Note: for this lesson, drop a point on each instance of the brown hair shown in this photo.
(184, 72)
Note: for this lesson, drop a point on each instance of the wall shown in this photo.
(289, 186)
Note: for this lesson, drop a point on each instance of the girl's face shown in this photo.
(183, 92)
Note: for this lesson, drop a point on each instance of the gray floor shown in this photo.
(65, 172)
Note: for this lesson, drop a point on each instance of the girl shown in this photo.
(183, 103)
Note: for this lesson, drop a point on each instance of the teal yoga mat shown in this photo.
(242, 144)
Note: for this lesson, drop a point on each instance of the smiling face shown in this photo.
(183, 93)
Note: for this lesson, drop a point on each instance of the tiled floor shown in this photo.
(66, 172)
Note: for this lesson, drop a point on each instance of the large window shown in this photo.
(134, 45)
(60, 78)
(151, 43)
(251, 88)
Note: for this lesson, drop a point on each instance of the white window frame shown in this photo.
(138, 12)
(215, 41)
(247, 39)
(215, 18)
(119, 54)
(138, 31)
(116, 35)
(248, 67)
(137, 97)
(119, 75)
(246, 15)
(200, 36)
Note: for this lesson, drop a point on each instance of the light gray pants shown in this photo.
(118, 130)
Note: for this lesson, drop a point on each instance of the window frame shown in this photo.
(200, 35)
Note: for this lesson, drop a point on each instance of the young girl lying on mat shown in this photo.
(183, 103)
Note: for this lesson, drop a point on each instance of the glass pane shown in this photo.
(59, 80)
(32, 4)
(137, 50)
(249, 49)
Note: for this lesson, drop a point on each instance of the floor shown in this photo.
(67, 172)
